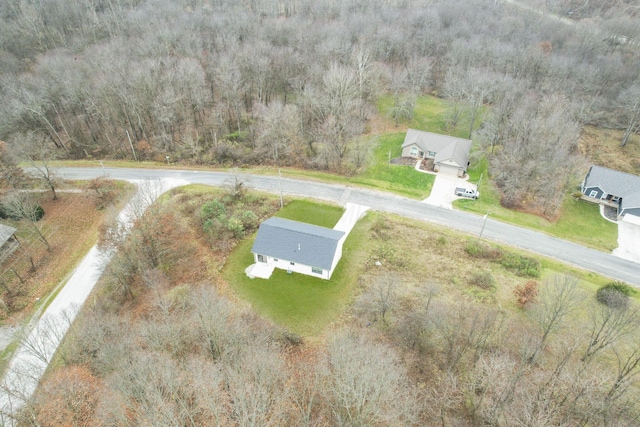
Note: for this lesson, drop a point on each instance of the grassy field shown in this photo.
(415, 252)
(579, 221)
(430, 114)
(398, 179)
(311, 212)
(303, 304)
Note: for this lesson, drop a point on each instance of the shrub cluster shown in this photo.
(482, 250)
(483, 279)
(521, 265)
(614, 295)
(34, 213)
(526, 293)
(231, 218)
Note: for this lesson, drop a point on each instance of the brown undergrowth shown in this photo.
(70, 225)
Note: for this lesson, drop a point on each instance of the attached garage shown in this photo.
(450, 154)
(447, 169)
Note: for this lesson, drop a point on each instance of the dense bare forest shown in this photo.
(294, 82)
(238, 82)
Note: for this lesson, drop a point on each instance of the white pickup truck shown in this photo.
(467, 192)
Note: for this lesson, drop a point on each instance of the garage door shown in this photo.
(448, 170)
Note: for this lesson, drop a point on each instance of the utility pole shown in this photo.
(280, 180)
(279, 175)
(131, 144)
(484, 222)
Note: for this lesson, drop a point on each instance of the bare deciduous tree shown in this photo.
(366, 383)
(629, 100)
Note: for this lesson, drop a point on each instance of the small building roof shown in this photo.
(5, 233)
(297, 242)
(611, 181)
(446, 147)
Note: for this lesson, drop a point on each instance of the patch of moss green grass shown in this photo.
(302, 304)
(430, 114)
(579, 221)
(311, 212)
(396, 178)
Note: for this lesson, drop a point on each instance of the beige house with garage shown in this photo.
(449, 154)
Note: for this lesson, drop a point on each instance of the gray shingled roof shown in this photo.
(446, 147)
(621, 184)
(5, 233)
(631, 201)
(614, 182)
(298, 242)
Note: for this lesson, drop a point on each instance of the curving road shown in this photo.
(571, 253)
(36, 350)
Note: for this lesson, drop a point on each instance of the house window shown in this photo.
(275, 260)
(316, 270)
(593, 193)
(414, 151)
(292, 263)
(432, 153)
(261, 258)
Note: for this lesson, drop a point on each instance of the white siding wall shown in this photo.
(297, 268)
(338, 254)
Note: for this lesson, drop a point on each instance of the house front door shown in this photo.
(261, 258)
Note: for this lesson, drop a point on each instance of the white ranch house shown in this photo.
(296, 247)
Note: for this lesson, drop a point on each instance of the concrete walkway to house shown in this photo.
(350, 217)
(628, 238)
(443, 190)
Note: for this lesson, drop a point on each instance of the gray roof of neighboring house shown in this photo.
(298, 242)
(616, 183)
(613, 182)
(5, 233)
(446, 147)
(631, 201)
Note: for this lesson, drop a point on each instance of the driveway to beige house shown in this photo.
(443, 190)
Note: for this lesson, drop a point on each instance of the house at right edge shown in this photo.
(613, 188)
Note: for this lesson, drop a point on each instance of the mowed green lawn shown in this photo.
(302, 304)
(399, 179)
(579, 221)
(430, 115)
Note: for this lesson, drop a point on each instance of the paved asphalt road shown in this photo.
(589, 259)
